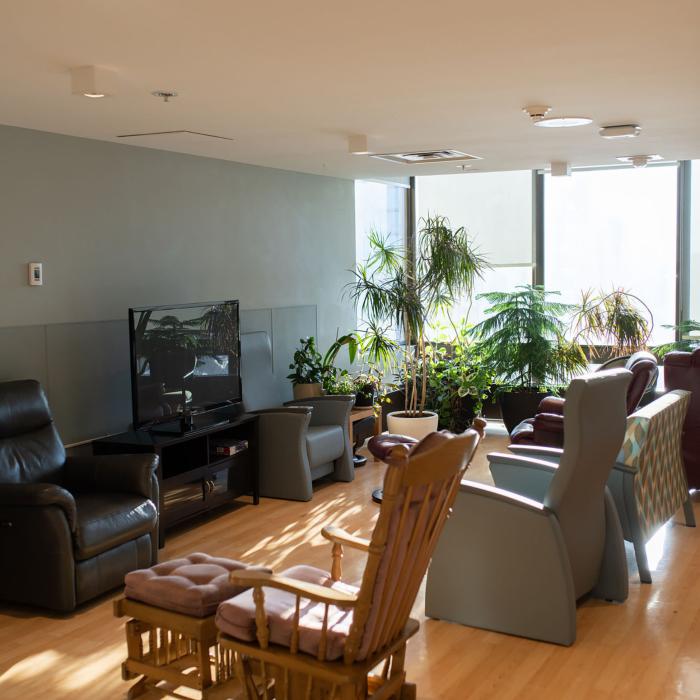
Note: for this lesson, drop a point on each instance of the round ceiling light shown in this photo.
(94, 95)
(562, 122)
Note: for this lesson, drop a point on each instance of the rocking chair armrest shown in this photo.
(309, 591)
(339, 536)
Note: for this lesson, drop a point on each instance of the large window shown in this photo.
(693, 311)
(496, 210)
(613, 228)
(381, 207)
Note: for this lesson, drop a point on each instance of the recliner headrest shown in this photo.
(23, 407)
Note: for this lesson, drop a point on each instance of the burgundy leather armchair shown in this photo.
(547, 427)
(682, 371)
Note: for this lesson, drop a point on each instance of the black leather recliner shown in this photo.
(70, 527)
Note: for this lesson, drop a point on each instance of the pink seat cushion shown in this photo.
(236, 617)
(193, 585)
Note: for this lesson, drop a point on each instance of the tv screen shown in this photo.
(185, 360)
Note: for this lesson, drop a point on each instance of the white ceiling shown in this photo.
(288, 81)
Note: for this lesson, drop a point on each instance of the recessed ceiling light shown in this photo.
(92, 81)
(620, 131)
(438, 156)
(562, 122)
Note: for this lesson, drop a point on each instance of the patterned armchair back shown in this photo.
(652, 446)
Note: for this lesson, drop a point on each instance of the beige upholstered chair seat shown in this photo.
(236, 616)
(193, 585)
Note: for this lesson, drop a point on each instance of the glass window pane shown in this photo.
(615, 228)
(694, 308)
(495, 208)
(381, 207)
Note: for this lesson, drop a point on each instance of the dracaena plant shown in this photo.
(394, 288)
(617, 320)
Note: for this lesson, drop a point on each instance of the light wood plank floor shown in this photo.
(647, 648)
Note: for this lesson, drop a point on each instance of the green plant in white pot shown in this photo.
(393, 287)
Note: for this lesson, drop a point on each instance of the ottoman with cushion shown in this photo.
(172, 629)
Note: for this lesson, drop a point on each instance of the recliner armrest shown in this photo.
(117, 473)
(40, 495)
(552, 404)
(327, 410)
(522, 475)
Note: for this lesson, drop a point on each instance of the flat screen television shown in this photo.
(185, 361)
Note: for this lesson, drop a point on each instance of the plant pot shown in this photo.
(518, 405)
(364, 400)
(417, 426)
(306, 391)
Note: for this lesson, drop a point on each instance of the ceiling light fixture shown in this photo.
(640, 161)
(91, 81)
(357, 145)
(620, 131)
(165, 94)
(537, 112)
(562, 122)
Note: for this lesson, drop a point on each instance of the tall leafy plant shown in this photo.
(688, 333)
(393, 287)
(616, 320)
(523, 338)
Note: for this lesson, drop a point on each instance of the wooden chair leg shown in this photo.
(689, 513)
(204, 663)
(139, 688)
(408, 692)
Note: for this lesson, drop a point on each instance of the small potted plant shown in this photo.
(366, 387)
(523, 340)
(307, 370)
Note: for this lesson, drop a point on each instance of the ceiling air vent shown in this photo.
(441, 156)
(180, 135)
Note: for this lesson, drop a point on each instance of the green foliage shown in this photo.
(391, 289)
(618, 320)
(307, 365)
(523, 339)
(339, 383)
(689, 332)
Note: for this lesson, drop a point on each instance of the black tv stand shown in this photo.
(192, 477)
(188, 425)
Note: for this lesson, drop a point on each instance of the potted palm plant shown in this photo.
(523, 340)
(404, 291)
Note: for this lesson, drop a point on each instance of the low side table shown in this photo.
(357, 414)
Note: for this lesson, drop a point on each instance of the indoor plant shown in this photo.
(307, 369)
(522, 339)
(615, 323)
(688, 333)
(403, 290)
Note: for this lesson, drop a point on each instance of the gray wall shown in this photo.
(118, 226)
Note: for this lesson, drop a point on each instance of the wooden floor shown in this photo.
(647, 648)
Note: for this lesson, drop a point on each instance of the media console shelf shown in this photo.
(192, 477)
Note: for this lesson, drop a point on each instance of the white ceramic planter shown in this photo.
(418, 427)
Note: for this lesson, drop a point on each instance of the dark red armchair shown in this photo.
(547, 427)
(682, 371)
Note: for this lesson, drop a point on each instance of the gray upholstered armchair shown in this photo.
(303, 441)
(300, 441)
(517, 557)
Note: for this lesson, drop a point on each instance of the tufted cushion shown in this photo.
(193, 585)
(236, 616)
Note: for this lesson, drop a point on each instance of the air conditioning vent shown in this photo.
(180, 134)
(441, 156)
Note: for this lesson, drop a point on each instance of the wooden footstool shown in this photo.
(172, 636)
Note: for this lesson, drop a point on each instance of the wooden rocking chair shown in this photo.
(303, 634)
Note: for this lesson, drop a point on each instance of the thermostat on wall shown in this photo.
(36, 274)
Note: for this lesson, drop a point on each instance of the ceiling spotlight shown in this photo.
(165, 94)
(537, 112)
(91, 81)
(562, 122)
(620, 131)
(640, 161)
(357, 145)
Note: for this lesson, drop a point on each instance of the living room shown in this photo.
(255, 258)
